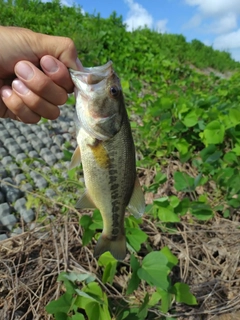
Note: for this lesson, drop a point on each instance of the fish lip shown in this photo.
(92, 75)
(86, 80)
(102, 68)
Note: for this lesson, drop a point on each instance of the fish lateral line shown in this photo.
(108, 155)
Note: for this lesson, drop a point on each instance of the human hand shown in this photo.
(34, 76)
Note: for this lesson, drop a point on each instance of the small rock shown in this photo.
(20, 204)
(9, 221)
(26, 187)
(54, 179)
(9, 142)
(20, 157)
(32, 226)
(65, 175)
(19, 178)
(25, 166)
(59, 166)
(21, 140)
(5, 210)
(50, 159)
(33, 154)
(60, 189)
(67, 136)
(27, 215)
(54, 149)
(46, 170)
(26, 131)
(3, 173)
(35, 128)
(10, 126)
(47, 141)
(72, 129)
(37, 145)
(6, 184)
(41, 183)
(59, 140)
(59, 155)
(32, 136)
(14, 150)
(13, 194)
(15, 133)
(41, 135)
(37, 164)
(16, 231)
(3, 237)
(3, 153)
(74, 144)
(6, 160)
(50, 193)
(14, 169)
(34, 175)
(2, 198)
(44, 151)
(4, 135)
(26, 147)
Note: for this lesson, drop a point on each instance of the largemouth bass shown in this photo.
(107, 152)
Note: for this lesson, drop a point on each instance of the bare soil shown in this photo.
(208, 253)
(209, 261)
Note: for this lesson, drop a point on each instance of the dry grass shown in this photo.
(209, 261)
(208, 253)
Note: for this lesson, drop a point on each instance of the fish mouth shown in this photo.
(93, 75)
(90, 82)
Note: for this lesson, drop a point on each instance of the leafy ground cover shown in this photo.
(184, 254)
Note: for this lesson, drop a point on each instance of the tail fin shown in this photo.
(116, 247)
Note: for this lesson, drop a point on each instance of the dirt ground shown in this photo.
(208, 253)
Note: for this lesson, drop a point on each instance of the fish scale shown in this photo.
(106, 150)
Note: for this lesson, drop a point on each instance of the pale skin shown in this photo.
(34, 76)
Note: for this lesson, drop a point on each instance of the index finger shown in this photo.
(61, 48)
(57, 72)
(39, 83)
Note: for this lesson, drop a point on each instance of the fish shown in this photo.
(105, 147)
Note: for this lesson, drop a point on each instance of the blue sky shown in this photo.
(214, 22)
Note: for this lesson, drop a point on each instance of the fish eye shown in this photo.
(114, 91)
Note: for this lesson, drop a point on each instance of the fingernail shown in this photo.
(49, 65)
(20, 87)
(6, 92)
(24, 71)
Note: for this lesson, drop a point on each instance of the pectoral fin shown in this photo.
(100, 154)
(137, 202)
(85, 202)
(76, 159)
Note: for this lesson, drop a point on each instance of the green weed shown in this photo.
(178, 115)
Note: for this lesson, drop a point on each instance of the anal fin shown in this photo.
(85, 202)
(136, 204)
